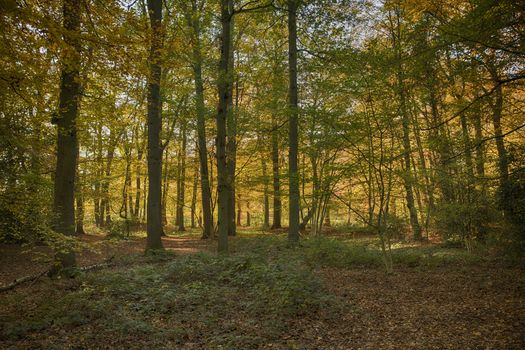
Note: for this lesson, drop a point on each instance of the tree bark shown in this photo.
(407, 150)
(79, 199)
(266, 196)
(193, 21)
(69, 103)
(182, 181)
(503, 163)
(154, 224)
(276, 223)
(293, 230)
(224, 92)
(193, 205)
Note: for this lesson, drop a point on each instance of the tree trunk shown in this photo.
(182, 181)
(239, 210)
(105, 206)
(276, 224)
(223, 176)
(231, 145)
(69, 103)
(193, 21)
(98, 172)
(407, 150)
(79, 198)
(266, 196)
(154, 224)
(503, 163)
(166, 187)
(293, 230)
(138, 193)
(248, 214)
(194, 190)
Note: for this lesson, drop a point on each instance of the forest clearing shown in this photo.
(330, 293)
(262, 174)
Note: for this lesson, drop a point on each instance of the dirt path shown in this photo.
(17, 261)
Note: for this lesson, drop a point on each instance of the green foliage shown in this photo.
(25, 210)
(463, 221)
(118, 229)
(321, 251)
(236, 301)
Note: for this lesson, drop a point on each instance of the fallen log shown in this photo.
(21, 280)
(18, 281)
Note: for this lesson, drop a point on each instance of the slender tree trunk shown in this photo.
(98, 172)
(138, 193)
(154, 224)
(69, 102)
(276, 224)
(239, 210)
(231, 145)
(193, 20)
(182, 180)
(106, 202)
(407, 150)
(480, 157)
(124, 207)
(194, 190)
(266, 196)
(503, 163)
(248, 214)
(327, 219)
(224, 183)
(166, 187)
(293, 174)
(79, 198)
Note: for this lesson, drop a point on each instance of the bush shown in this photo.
(118, 229)
(326, 252)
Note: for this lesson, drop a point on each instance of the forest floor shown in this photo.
(328, 293)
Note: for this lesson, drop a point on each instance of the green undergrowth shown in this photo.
(164, 300)
(356, 252)
(240, 301)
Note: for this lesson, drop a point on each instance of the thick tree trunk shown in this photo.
(224, 183)
(154, 224)
(293, 174)
(69, 102)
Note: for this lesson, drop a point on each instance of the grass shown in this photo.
(239, 301)
(234, 301)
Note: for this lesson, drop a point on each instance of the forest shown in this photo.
(262, 174)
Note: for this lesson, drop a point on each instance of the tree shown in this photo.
(224, 178)
(67, 143)
(194, 17)
(154, 215)
(293, 136)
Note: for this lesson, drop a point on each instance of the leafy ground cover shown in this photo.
(325, 294)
